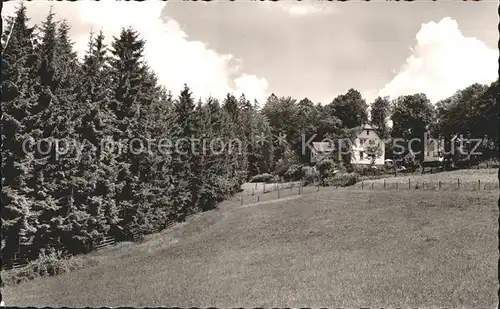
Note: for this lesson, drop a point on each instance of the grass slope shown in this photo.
(335, 248)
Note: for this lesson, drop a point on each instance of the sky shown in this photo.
(301, 49)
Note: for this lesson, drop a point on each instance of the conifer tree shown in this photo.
(96, 172)
(127, 69)
(182, 156)
(216, 165)
(19, 221)
(233, 134)
(44, 125)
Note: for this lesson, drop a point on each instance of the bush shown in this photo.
(311, 175)
(325, 169)
(262, 178)
(328, 169)
(281, 170)
(363, 178)
(363, 170)
(208, 198)
(294, 173)
(52, 263)
(324, 166)
(342, 179)
(488, 164)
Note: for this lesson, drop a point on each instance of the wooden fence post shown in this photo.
(384, 184)
(278, 193)
(458, 182)
(253, 191)
(439, 185)
(409, 184)
(361, 185)
(264, 188)
(258, 198)
(479, 184)
(241, 201)
(372, 184)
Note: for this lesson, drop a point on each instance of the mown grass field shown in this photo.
(333, 248)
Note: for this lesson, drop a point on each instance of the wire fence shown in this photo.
(411, 184)
(283, 190)
(262, 188)
(278, 192)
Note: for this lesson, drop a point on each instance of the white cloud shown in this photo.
(370, 95)
(175, 58)
(252, 84)
(442, 62)
(303, 8)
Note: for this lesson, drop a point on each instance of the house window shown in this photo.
(367, 132)
(361, 155)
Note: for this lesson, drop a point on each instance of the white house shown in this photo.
(367, 147)
(365, 142)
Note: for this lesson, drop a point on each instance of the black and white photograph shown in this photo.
(250, 153)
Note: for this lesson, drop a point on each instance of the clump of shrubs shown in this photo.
(488, 164)
(266, 177)
(49, 263)
(325, 168)
(329, 168)
(342, 179)
(373, 171)
(311, 175)
(295, 172)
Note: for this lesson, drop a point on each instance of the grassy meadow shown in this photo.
(333, 248)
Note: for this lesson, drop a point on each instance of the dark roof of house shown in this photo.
(322, 146)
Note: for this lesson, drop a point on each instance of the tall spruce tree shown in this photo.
(128, 71)
(19, 221)
(44, 125)
(182, 156)
(96, 172)
(233, 134)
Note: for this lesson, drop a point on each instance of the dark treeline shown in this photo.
(71, 199)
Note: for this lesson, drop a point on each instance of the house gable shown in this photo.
(363, 136)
